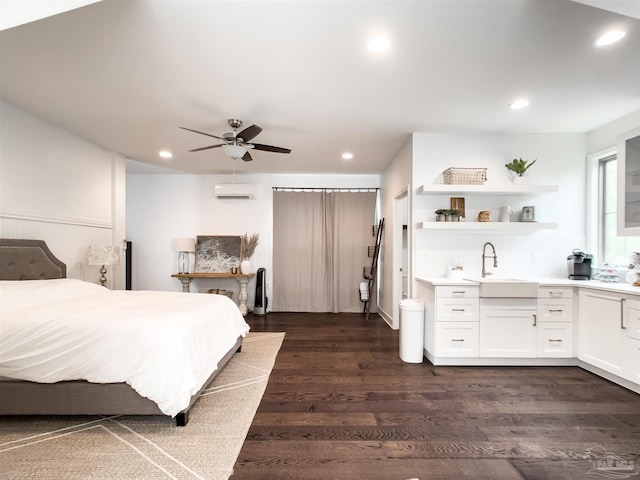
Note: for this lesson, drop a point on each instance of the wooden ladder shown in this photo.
(374, 253)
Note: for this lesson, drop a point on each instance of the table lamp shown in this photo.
(184, 246)
(103, 255)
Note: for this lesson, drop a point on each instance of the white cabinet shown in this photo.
(451, 320)
(508, 327)
(628, 156)
(555, 331)
(602, 335)
(632, 323)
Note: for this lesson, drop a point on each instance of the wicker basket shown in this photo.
(219, 291)
(465, 176)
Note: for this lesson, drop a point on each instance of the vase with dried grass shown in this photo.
(249, 244)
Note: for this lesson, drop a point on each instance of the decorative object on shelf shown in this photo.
(249, 244)
(457, 203)
(184, 246)
(505, 214)
(519, 166)
(444, 215)
(528, 214)
(607, 273)
(465, 176)
(217, 254)
(484, 216)
(103, 255)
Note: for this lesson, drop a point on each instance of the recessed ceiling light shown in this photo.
(610, 37)
(519, 103)
(165, 154)
(379, 43)
(347, 156)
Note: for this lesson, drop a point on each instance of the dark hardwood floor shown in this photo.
(340, 404)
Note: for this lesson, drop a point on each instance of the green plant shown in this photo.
(456, 213)
(441, 211)
(249, 244)
(519, 166)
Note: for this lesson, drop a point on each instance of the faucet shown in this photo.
(485, 256)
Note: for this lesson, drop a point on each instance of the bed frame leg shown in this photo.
(182, 419)
(239, 349)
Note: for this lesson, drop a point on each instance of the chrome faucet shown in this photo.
(485, 256)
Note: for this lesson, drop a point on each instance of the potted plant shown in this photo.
(455, 215)
(249, 244)
(519, 166)
(440, 214)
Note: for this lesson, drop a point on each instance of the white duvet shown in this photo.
(164, 344)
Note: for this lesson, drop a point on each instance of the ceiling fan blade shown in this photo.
(250, 132)
(207, 148)
(270, 148)
(247, 157)
(202, 133)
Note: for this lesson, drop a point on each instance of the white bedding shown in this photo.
(164, 344)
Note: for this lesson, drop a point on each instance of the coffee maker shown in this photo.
(579, 265)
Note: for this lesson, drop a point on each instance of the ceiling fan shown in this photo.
(236, 144)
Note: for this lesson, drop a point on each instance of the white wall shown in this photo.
(395, 180)
(58, 187)
(560, 161)
(605, 137)
(162, 207)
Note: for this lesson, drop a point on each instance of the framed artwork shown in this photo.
(217, 254)
(528, 214)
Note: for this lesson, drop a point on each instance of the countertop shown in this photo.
(546, 282)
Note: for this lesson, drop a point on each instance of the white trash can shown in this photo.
(411, 330)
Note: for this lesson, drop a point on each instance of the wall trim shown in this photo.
(83, 222)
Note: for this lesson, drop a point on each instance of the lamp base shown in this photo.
(103, 278)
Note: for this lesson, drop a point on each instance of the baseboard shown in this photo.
(386, 317)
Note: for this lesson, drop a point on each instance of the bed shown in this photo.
(162, 349)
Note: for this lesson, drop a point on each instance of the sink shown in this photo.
(505, 287)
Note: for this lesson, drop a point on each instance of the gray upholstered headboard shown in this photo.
(28, 260)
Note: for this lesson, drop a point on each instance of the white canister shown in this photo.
(505, 214)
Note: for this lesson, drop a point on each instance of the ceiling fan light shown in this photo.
(234, 151)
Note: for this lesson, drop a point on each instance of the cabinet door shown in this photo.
(508, 330)
(555, 339)
(457, 339)
(601, 336)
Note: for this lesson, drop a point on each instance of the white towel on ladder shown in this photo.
(364, 291)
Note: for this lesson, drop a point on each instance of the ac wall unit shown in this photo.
(236, 190)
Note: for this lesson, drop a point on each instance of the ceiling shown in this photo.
(126, 74)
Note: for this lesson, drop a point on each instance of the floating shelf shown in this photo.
(504, 227)
(461, 190)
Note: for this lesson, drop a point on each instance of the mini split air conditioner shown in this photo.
(236, 190)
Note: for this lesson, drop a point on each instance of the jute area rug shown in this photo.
(137, 447)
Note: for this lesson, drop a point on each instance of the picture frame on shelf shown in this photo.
(528, 214)
(217, 254)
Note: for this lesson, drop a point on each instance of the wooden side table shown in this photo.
(241, 278)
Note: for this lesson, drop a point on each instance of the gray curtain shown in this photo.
(320, 242)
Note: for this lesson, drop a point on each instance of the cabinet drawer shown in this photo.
(457, 291)
(552, 310)
(457, 339)
(555, 339)
(555, 292)
(457, 309)
(633, 323)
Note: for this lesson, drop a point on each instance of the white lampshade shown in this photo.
(184, 245)
(103, 255)
(235, 151)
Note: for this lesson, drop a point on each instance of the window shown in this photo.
(611, 247)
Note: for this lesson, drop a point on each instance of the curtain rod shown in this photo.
(323, 189)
